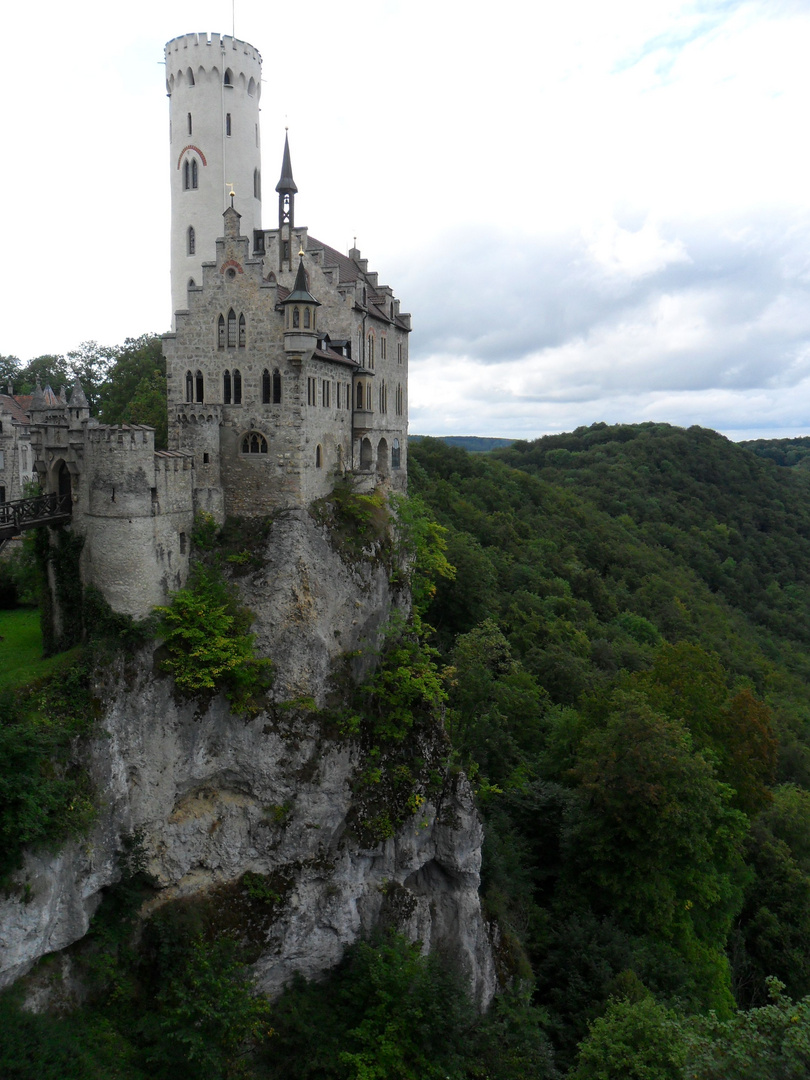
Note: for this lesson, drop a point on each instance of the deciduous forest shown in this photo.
(615, 626)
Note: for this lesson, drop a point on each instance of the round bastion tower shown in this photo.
(214, 85)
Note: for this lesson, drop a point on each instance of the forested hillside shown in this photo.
(620, 658)
(627, 639)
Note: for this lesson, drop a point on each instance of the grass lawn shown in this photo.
(21, 658)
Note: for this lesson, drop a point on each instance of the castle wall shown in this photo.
(135, 511)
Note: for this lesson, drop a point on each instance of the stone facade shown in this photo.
(287, 368)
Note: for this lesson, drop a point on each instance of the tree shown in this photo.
(634, 1040)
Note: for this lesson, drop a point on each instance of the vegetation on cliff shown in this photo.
(620, 659)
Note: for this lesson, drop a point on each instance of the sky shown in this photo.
(594, 212)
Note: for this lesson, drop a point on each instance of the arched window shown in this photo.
(227, 78)
(186, 174)
(242, 331)
(231, 329)
(189, 386)
(366, 454)
(237, 386)
(276, 387)
(191, 240)
(199, 385)
(398, 399)
(194, 173)
(191, 283)
(254, 443)
(221, 332)
(228, 124)
(190, 77)
(318, 456)
(296, 318)
(226, 387)
(359, 395)
(370, 351)
(395, 454)
(306, 318)
(265, 387)
(189, 122)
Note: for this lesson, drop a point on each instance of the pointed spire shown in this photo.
(300, 293)
(78, 399)
(38, 398)
(286, 185)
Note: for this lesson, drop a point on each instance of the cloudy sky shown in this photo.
(593, 211)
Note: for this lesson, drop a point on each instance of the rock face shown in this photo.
(214, 796)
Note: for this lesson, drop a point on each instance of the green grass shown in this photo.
(21, 659)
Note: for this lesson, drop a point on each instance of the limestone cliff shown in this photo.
(215, 796)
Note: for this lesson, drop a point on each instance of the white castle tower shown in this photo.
(214, 86)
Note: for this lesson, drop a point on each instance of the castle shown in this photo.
(286, 367)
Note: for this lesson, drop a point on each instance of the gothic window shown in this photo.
(221, 332)
(189, 123)
(296, 318)
(231, 329)
(227, 78)
(226, 387)
(254, 443)
(398, 399)
(228, 124)
(359, 395)
(189, 386)
(265, 387)
(194, 173)
(186, 174)
(306, 318)
(191, 240)
(199, 384)
(383, 350)
(395, 454)
(370, 352)
(318, 456)
(237, 386)
(242, 331)
(276, 387)
(190, 77)
(191, 283)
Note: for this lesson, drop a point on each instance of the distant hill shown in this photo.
(792, 453)
(473, 444)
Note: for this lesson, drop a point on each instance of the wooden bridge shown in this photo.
(30, 513)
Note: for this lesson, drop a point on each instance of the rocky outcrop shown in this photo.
(214, 796)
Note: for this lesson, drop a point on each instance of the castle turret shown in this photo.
(286, 209)
(214, 86)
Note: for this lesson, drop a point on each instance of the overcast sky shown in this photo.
(593, 211)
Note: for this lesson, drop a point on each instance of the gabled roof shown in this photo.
(16, 406)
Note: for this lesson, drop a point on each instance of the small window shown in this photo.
(306, 318)
(189, 386)
(312, 391)
(226, 79)
(194, 173)
(226, 387)
(318, 456)
(254, 443)
(370, 352)
(296, 318)
(359, 395)
(189, 123)
(242, 331)
(325, 393)
(228, 124)
(206, 459)
(191, 241)
(199, 385)
(231, 329)
(237, 386)
(395, 454)
(265, 387)
(276, 387)
(186, 174)
(399, 352)
(257, 184)
(191, 283)
(221, 332)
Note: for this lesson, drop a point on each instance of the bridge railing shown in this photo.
(36, 510)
